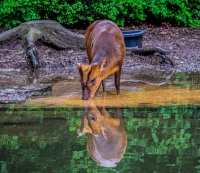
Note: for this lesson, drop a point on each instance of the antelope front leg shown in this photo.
(103, 85)
(117, 80)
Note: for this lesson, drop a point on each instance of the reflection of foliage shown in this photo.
(190, 80)
(158, 139)
(159, 133)
(9, 142)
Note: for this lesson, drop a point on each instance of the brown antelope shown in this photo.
(105, 47)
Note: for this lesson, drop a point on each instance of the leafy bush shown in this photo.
(79, 13)
(172, 11)
(195, 10)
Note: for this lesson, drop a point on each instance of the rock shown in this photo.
(22, 93)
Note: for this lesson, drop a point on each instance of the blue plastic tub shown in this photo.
(133, 38)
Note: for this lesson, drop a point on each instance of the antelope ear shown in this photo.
(103, 64)
(84, 67)
(78, 65)
(95, 65)
(85, 128)
(103, 131)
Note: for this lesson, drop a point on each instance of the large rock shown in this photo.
(15, 94)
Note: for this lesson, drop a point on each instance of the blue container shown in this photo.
(133, 38)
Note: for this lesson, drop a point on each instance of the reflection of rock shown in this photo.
(21, 93)
(193, 80)
(106, 136)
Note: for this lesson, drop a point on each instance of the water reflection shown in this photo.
(160, 139)
(106, 136)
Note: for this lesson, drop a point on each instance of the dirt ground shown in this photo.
(183, 44)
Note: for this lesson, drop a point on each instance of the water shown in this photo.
(157, 131)
(162, 139)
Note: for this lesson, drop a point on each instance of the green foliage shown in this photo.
(171, 10)
(79, 13)
(195, 8)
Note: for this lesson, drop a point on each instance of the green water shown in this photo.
(161, 139)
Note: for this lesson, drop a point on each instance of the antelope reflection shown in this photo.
(106, 136)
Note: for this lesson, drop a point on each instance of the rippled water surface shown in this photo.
(145, 129)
